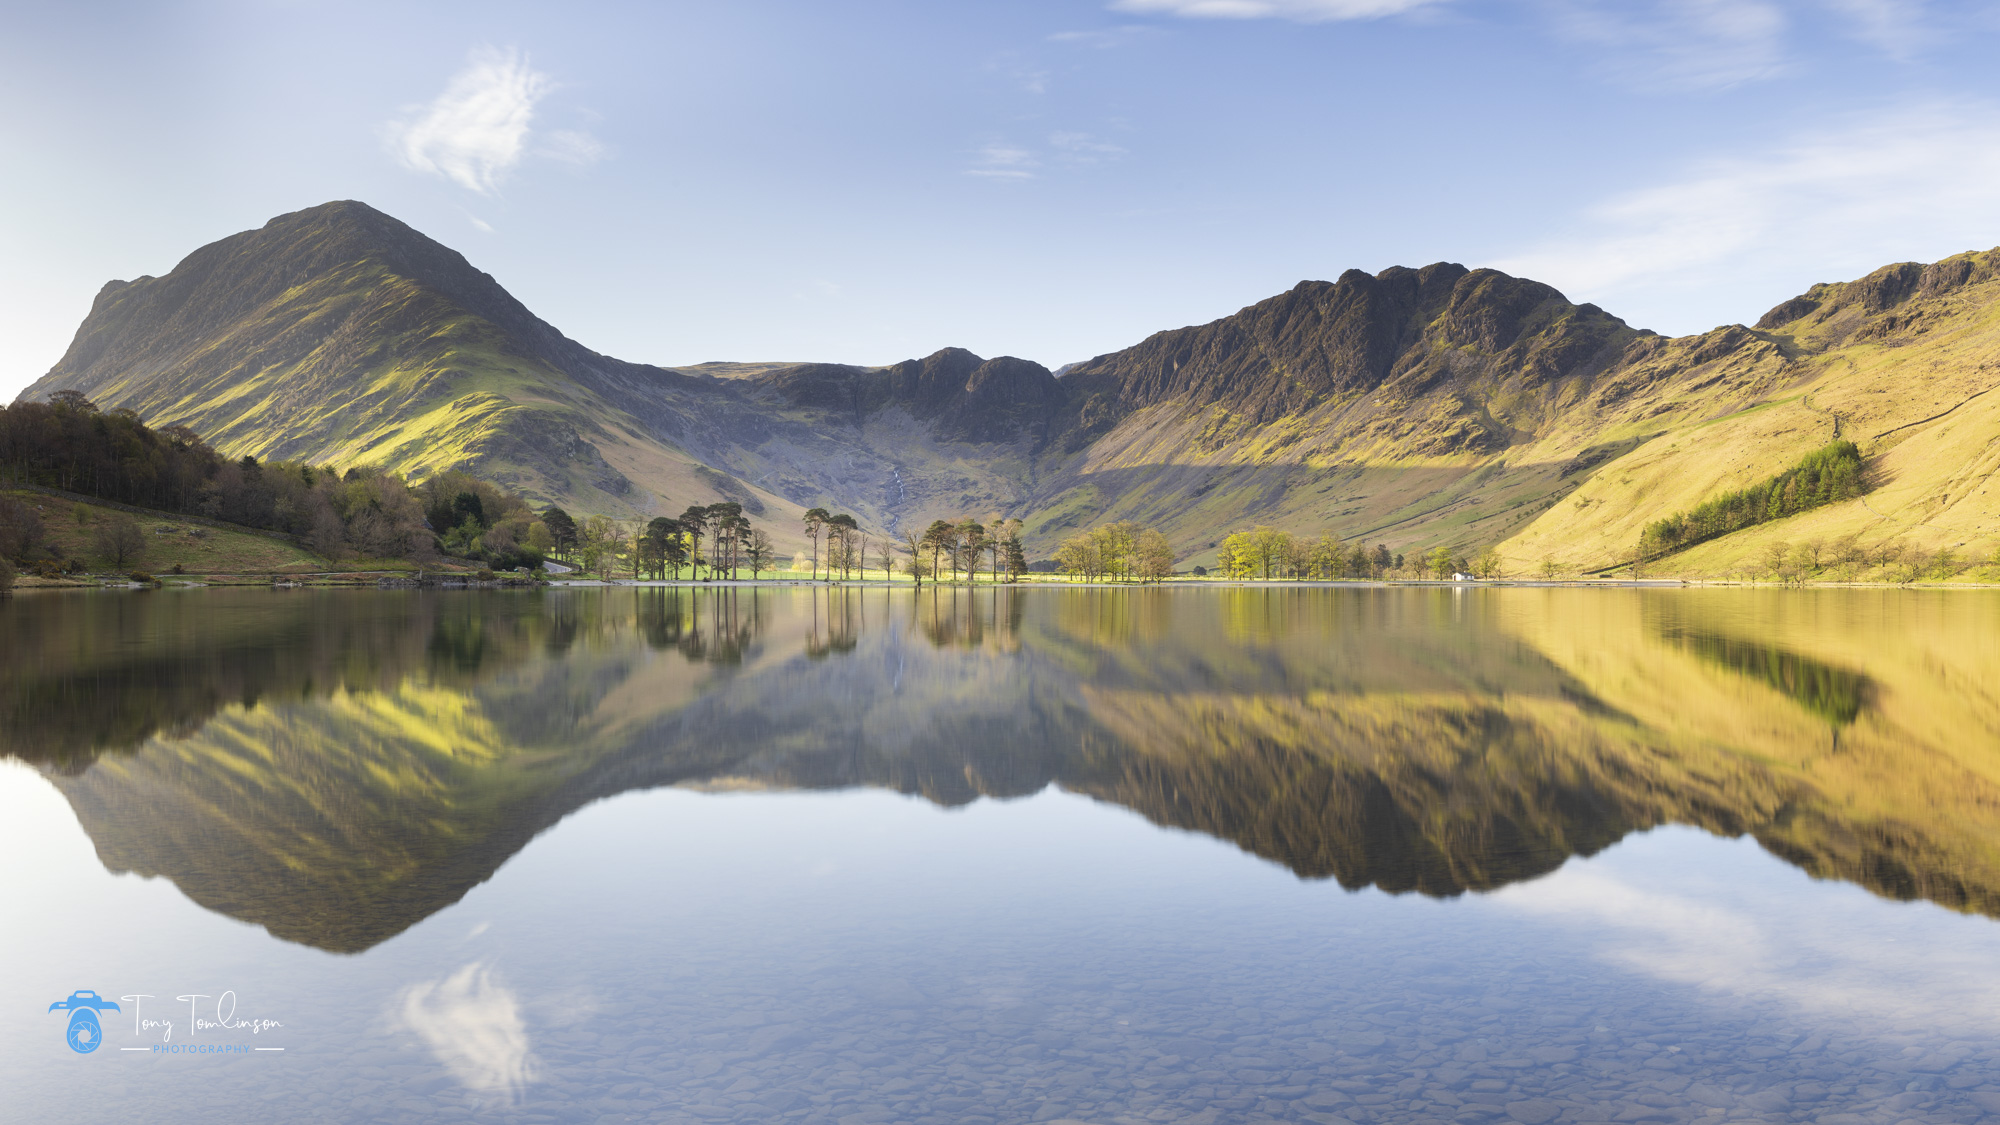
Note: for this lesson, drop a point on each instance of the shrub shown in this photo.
(143, 579)
(484, 575)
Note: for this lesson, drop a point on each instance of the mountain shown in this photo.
(1415, 407)
(338, 768)
(340, 335)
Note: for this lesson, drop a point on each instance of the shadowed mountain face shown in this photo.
(337, 766)
(1414, 407)
(1409, 331)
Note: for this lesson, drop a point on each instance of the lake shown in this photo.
(1076, 855)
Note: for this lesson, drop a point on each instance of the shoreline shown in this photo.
(375, 581)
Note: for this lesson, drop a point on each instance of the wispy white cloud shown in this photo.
(1918, 182)
(1899, 28)
(478, 128)
(1005, 160)
(1679, 44)
(474, 1027)
(1083, 148)
(1303, 11)
(1002, 161)
(1105, 38)
(571, 146)
(1654, 44)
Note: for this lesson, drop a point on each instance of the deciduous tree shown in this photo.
(120, 540)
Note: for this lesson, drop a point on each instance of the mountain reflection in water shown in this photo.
(337, 765)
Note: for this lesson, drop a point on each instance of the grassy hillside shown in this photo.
(199, 547)
(1899, 362)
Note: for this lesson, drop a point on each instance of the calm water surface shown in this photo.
(1299, 855)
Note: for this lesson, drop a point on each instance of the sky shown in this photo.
(864, 182)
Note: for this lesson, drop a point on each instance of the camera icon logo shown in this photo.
(85, 1033)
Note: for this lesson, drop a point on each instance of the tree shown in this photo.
(1300, 562)
(758, 551)
(676, 554)
(1155, 556)
(971, 544)
(328, 537)
(844, 530)
(593, 545)
(1271, 548)
(937, 539)
(1326, 558)
(1550, 568)
(468, 506)
(539, 541)
(727, 529)
(21, 529)
(73, 401)
(1017, 559)
(653, 546)
(1440, 562)
(603, 546)
(694, 523)
(1079, 555)
(915, 544)
(1237, 557)
(1488, 564)
(1776, 556)
(816, 519)
(120, 539)
(562, 531)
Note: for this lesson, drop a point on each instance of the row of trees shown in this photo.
(68, 443)
(963, 545)
(1828, 474)
(718, 541)
(662, 546)
(1267, 553)
(1121, 551)
(847, 546)
(1848, 559)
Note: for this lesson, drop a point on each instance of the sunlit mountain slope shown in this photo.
(1414, 407)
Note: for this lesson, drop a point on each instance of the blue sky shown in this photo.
(864, 182)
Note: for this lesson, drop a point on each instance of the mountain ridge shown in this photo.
(1437, 405)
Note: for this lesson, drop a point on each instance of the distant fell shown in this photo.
(1411, 407)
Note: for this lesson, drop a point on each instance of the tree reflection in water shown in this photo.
(378, 754)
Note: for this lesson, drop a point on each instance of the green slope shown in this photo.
(1440, 406)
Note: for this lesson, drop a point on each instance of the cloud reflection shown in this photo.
(474, 1027)
(1825, 955)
